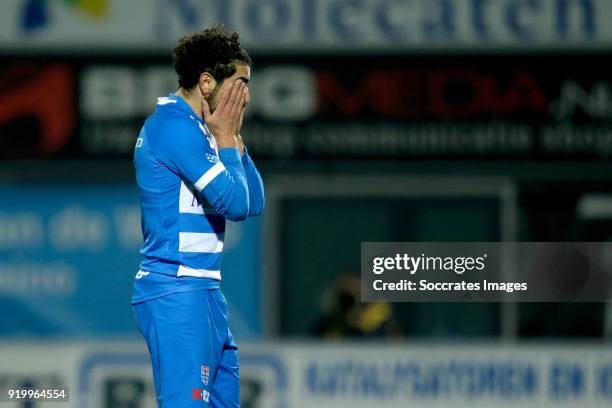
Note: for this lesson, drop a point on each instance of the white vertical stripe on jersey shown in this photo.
(202, 242)
(209, 176)
(199, 273)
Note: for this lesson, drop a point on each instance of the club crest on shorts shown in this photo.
(204, 374)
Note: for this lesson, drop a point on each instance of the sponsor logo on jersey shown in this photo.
(191, 201)
(204, 374)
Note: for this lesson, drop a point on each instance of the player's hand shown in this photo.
(244, 105)
(238, 136)
(226, 120)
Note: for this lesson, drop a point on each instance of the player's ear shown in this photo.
(206, 83)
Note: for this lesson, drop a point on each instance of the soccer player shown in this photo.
(194, 173)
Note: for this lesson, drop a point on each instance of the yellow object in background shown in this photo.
(374, 316)
(97, 9)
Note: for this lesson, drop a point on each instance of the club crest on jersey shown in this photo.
(204, 374)
(200, 394)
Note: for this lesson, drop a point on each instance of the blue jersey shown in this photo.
(188, 189)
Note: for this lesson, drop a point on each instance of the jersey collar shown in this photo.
(178, 103)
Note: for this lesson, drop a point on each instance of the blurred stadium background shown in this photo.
(371, 120)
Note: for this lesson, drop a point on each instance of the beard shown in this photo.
(213, 98)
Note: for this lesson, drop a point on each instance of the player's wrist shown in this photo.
(227, 141)
(229, 155)
(241, 146)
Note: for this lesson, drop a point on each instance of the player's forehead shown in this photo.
(242, 71)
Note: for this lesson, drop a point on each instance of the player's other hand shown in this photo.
(238, 136)
(226, 120)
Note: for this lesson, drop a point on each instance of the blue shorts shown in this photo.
(193, 353)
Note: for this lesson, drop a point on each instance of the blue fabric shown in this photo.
(193, 353)
(187, 186)
(149, 285)
(257, 199)
(175, 148)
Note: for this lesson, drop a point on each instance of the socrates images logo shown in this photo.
(37, 14)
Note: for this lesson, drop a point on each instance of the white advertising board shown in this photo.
(309, 25)
(324, 375)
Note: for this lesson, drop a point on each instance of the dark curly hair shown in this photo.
(214, 50)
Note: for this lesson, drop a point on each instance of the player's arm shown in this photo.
(225, 123)
(257, 198)
(222, 180)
